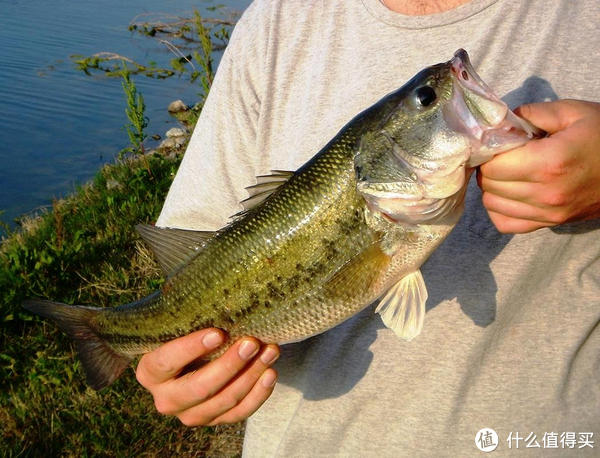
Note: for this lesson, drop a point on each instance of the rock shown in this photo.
(177, 107)
(176, 132)
(168, 143)
(172, 142)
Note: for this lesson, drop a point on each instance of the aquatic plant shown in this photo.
(192, 40)
(136, 129)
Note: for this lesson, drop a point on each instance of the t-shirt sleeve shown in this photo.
(221, 159)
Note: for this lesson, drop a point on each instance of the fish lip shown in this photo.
(460, 66)
(466, 78)
(467, 81)
(499, 129)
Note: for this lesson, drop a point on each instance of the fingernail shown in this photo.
(269, 379)
(269, 356)
(212, 339)
(247, 349)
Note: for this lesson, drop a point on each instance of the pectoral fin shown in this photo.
(402, 309)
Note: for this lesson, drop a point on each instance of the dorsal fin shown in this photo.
(264, 187)
(279, 176)
(173, 247)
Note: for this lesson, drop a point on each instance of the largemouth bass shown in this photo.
(316, 246)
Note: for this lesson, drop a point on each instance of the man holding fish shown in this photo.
(511, 340)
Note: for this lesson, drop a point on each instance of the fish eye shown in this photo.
(425, 96)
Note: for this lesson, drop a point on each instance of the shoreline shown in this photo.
(85, 250)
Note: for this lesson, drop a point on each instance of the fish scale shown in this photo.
(239, 255)
(315, 247)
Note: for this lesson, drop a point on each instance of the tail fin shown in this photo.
(101, 364)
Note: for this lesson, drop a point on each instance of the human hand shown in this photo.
(226, 390)
(550, 181)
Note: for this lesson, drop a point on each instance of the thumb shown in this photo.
(549, 116)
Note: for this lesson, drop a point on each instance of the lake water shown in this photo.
(58, 125)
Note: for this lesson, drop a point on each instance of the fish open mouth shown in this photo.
(470, 127)
(485, 117)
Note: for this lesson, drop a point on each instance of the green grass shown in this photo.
(85, 251)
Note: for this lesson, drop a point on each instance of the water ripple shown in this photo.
(58, 125)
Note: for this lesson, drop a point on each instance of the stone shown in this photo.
(172, 143)
(177, 107)
(176, 132)
(168, 143)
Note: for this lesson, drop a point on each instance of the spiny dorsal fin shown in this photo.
(173, 248)
(278, 176)
(402, 309)
(264, 187)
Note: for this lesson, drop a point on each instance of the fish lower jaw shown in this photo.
(491, 126)
(422, 211)
(496, 141)
(404, 211)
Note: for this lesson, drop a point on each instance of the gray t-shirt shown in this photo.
(511, 338)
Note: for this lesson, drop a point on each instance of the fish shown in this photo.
(316, 246)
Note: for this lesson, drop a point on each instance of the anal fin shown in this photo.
(173, 247)
(402, 308)
(101, 364)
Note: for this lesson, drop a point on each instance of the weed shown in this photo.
(136, 129)
(191, 39)
(205, 57)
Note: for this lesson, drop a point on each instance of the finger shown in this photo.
(167, 361)
(520, 164)
(233, 393)
(240, 388)
(190, 390)
(514, 190)
(508, 225)
(260, 392)
(516, 209)
(550, 116)
(564, 120)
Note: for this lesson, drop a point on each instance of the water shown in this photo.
(58, 125)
